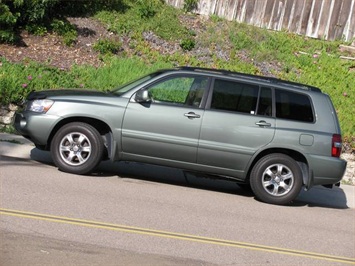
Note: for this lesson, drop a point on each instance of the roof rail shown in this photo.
(252, 77)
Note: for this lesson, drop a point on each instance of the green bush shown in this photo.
(88, 7)
(8, 21)
(190, 5)
(187, 44)
(36, 11)
(17, 13)
(147, 8)
(66, 30)
(38, 15)
(36, 29)
(106, 46)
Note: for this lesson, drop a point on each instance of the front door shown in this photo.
(167, 127)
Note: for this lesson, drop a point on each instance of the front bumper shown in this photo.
(35, 126)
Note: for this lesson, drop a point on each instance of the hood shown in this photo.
(65, 92)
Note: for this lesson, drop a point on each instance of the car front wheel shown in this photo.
(276, 179)
(77, 148)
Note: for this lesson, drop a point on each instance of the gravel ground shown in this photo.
(349, 177)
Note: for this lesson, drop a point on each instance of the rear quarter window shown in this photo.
(293, 106)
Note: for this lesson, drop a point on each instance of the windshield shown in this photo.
(130, 85)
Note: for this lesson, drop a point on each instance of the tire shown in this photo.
(77, 148)
(276, 179)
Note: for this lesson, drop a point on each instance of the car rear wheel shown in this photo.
(276, 179)
(77, 148)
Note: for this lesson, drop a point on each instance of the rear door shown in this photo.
(238, 122)
(168, 127)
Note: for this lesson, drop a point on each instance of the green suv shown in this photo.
(273, 135)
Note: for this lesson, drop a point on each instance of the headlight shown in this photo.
(39, 106)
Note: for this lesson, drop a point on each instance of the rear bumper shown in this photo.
(326, 171)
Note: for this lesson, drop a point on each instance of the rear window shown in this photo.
(293, 106)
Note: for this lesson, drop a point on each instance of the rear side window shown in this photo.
(293, 106)
(234, 96)
(265, 102)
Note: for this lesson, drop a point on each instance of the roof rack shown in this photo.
(251, 77)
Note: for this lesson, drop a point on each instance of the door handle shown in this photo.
(263, 123)
(192, 115)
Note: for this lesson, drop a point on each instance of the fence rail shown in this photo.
(323, 19)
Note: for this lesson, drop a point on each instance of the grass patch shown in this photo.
(296, 58)
(20, 79)
(11, 141)
(145, 16)
(8, 129)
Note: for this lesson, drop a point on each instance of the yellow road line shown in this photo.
(165, 234)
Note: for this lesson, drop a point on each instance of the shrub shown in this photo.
(88, 7)
(66, 30)
(147, 8)
(35, 29)
(35, 15)
(21, 13)
(7, 23)
(190, 5)
(107, 46)
(187, 44)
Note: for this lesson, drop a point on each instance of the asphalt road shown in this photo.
(135, 214)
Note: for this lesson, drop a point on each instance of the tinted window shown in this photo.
(179, 90)
(293, 106)
(265, 102)
(234, 96)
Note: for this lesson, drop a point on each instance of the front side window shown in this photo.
(293, 106)
(179, 90)
(234, 96)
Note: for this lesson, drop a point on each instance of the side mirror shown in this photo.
(142, 96)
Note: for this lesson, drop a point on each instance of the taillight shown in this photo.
(336, 145)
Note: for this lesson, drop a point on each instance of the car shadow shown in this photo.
(320, 196)
(168, 175)
(316, 197)
(41, 156)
